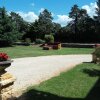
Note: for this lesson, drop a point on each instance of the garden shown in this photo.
(80, 83)
(45, 60)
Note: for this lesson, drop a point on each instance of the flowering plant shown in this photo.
(3, 57)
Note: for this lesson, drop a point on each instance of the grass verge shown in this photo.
(80, 83)
(33, 51)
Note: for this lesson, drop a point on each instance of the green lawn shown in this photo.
(76, 84)
(32, 51)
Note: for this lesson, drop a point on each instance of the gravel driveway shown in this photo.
(33, 70)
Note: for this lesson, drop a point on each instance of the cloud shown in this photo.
(32, 4)
(29, 16)
(41, 10)
(90, 9)
(63, 20)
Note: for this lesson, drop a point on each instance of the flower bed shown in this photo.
(3, 57)
(6, 79)
(4, 61)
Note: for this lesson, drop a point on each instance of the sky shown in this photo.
(30, 9)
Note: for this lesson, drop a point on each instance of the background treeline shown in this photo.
(82, 28)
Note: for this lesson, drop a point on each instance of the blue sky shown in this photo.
(30, 9)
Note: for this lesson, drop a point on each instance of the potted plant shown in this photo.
(4, 61)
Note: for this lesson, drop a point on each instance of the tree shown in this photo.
(82, 24)
(41, 27)
(33, 32)
(45, 22)
(56, 28)
(21, 25)
(98, 11)
(8, 31)
(74, 14)
(97, 21)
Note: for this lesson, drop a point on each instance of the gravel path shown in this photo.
(33, 70)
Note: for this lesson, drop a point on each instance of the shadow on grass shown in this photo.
(94, 93)
(7, 46)
(92, 72)
(40, 95)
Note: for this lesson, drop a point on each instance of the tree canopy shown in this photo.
(8, 30)
(83, 28)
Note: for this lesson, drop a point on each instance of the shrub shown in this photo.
(96, 55)
(22, 43)
(49, 38)
(97, 52)
(8, 38)
(28, 40)
(25, 44)
(39, 41)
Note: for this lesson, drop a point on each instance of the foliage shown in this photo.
(28, 40)
(98, 10)
(49, 38)
(56, 28)
(97, 20)
(82, 28)
(21, 25)
(39, 41)
(40, 27)
(45, 22)
(8, 30)
(97, 52)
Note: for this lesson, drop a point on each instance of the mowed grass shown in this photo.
(75, 84)
(33, 51)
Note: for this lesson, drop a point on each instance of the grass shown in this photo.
(33, 51)
(76, 84)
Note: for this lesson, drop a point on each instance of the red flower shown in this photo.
(3, 57)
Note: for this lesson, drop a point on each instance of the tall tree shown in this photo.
(56, 27)
(33, 32)
(79, 17)
(97, 20)
(20, 23)
(8, 31)
(98, 10)
(74, 14)
(45, 22)
(42, 26)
